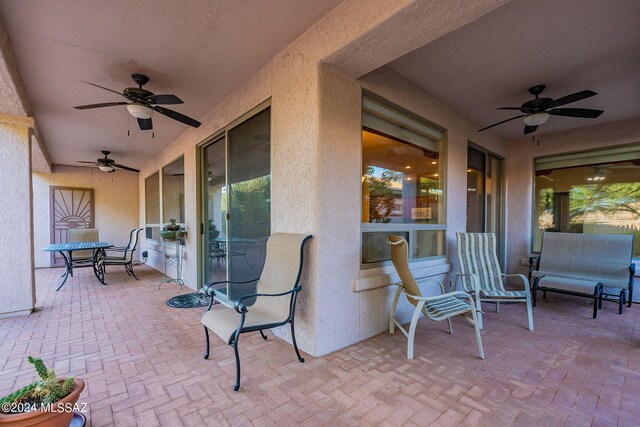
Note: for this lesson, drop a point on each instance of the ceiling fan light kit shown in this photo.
(536, 119)
(105, 164)
(106, 168)
(537, 111)
(139, 111)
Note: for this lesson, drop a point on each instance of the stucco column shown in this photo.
(17, 284)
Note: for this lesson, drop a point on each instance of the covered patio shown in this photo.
(188, 137)
(142, 362)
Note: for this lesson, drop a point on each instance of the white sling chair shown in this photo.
(481, 275)
(436, 308)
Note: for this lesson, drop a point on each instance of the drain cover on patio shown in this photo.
(191, 300)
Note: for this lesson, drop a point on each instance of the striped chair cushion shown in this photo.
(446, 307)
(477, 255)
(504, 294)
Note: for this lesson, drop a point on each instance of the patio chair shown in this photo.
(82, 257)
(481, 275)
(437, 308)
(275, 297)
(124, 255)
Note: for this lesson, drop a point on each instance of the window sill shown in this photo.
(380, 277)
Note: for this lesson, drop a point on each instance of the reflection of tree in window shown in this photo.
(251, 198)
(608, 199)
(381, 198)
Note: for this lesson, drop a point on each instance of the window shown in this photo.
(173, 191)
(485, 195)
(588, 192)
(152, 206)
(402, 182)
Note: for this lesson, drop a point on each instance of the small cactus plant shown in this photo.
(44, 391)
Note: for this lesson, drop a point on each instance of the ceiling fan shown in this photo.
(538, 110)
(105, 164)
(142, 102)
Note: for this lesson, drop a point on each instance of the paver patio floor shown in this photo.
(142, 363)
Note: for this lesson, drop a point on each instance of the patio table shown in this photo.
(97, 260)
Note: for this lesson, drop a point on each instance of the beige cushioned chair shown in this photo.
(275, 297)
(82, 235)
(436, 308)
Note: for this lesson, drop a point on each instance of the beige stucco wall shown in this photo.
(315, 134)
(115, 203)
(17, 285)
(522, 153)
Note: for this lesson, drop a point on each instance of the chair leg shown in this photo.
(600, 301)
(497, 307)
(529, 313)
(394, 304)
(450, 326)
(630, 296)
(478, 315)
(264, 337)
(236, 386)
(478, 336)
(295, 344)
(206, 334)
(412, 329)
(621, 301)
(132, 272)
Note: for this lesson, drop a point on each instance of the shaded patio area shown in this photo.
(142, 363)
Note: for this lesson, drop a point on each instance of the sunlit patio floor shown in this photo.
(142, 363)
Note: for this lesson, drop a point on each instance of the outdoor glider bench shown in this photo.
(275, 297)
(596, 266)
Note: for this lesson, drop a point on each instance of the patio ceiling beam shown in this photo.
(416, 24)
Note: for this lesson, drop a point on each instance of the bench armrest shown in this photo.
(534, 260)
(242, 308)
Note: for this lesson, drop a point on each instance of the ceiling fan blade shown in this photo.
(529, 129)
(127, 168)
(164, 99)
(585, 113)
(104, 104)
(145, 124)
(177, 116)
(572, 98)
(499, 123)
(84, 161)
(104, 88)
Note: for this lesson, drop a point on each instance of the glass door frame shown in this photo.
(501, 245)
(201, 169)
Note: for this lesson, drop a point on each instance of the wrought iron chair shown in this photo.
(82, 258)
(275, 297)
(437, 308)
(481, 275)
(124, 255)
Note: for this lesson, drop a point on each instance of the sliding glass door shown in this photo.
(237, 204)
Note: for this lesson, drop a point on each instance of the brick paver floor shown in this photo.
(142, 364)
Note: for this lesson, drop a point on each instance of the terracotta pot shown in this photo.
(48, 419)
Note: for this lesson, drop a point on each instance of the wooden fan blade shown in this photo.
(103, 88)
(127, 168)
(177, 116)
(499, 123)
(104, 104)
(164, 99)
(585, 113)
(578, 96)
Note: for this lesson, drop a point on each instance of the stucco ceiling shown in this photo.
(200, 50)
(568, 45)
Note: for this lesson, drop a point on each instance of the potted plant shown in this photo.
(49, 401)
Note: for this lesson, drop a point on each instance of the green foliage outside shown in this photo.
(381, 200)
(251, 208)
